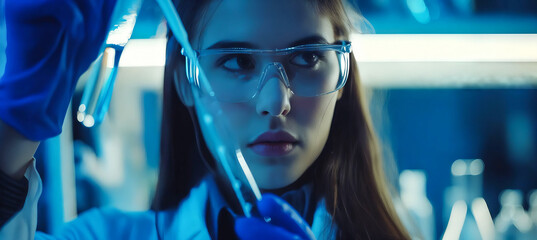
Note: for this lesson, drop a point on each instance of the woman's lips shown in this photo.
(273, 144)
(272, 149)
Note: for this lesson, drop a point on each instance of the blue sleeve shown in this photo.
(107, 223)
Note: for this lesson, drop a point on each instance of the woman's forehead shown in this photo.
(264, 24)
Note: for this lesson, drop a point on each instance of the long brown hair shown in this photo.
(349, 173)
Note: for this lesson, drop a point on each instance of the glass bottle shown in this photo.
(469, 216)
(414, 198)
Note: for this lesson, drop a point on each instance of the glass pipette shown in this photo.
(247, 193)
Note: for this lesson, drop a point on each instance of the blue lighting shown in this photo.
(419, 10)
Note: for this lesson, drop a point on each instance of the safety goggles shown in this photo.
(238, 74)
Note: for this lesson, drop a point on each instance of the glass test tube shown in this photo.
(98, 90)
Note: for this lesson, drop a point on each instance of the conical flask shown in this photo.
(533, 212)
(513, 222)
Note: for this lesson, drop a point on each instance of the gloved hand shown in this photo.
(285, 222)
(50, 43)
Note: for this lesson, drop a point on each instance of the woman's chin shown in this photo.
(278, 178)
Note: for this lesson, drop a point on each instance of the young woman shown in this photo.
(288, 89)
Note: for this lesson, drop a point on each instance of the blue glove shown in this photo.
(285, 222)
(50, 43)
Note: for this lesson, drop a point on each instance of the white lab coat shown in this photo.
(185, 222)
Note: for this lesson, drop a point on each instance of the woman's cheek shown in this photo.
(315, 113)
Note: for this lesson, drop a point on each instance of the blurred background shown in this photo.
(442, 101)
(453, 94)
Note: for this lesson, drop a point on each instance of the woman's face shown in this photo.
(280, 134)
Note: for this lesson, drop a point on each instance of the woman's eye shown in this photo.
(305, 59)
(238, 62)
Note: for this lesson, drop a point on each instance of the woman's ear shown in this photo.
(340, 93)
(183, 90)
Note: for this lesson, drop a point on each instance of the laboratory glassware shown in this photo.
(533, 211)
(227, 154)
(513, 222)
(98, 89)
(469, 216)
(414, 198)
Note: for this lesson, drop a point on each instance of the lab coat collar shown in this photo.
(197, 215)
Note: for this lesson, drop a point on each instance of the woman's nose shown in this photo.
(273, 97)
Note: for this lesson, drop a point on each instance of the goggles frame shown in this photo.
(193, 67)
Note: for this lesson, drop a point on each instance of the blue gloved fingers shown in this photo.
(284, 215)
(34, 30)
(254, 228)
(35, 63)
(50, 43)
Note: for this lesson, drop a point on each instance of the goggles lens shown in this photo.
(237, 75)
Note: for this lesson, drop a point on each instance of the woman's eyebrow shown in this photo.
(315, 39)
(231, 44)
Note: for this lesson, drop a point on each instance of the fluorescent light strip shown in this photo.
(390, 48)
(445, 47)
(144, 53)
(454, 60)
